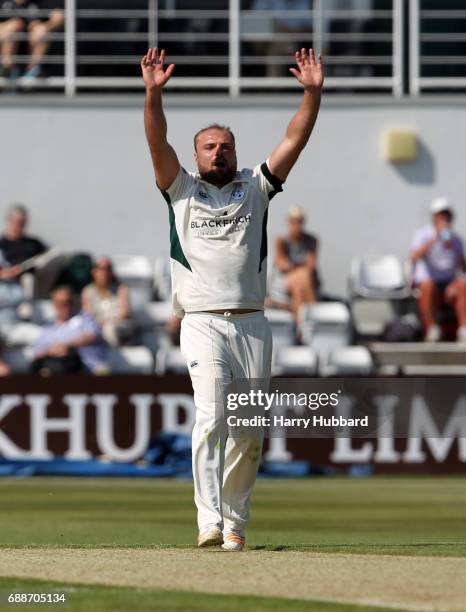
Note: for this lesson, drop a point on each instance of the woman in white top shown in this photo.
(108, 302)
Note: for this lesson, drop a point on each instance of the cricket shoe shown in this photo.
(210, 537)
(233, 542)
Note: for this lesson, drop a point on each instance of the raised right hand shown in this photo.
(153, 72)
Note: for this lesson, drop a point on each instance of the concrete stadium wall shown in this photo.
(84, 171)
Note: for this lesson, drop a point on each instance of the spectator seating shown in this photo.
(157, 313)
(43, 312)
(282, 326)
(378, 276)
(371, 316)
(170, 360)
(19, 359)
(21, 334)
(294, 361)
(152, 322)
(379, 292)
(325, 325)
(347, 361)
(131, 360)
(136, 272)
(162, 278)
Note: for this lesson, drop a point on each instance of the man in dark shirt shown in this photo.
(15, 248)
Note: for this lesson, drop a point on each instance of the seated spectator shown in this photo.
(296, 261)
(27, 266)
(107, 301)
(437, 253)
(38, 29)
(15, 248)
(73, 344)
(5, 369)
(282, 24)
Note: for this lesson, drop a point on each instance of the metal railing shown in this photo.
(230, 49)
(437, 46)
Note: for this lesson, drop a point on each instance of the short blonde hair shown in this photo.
(296, 212)
(213, 126)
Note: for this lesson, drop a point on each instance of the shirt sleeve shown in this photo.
(89, 325)
(42, 343)
(179, 188)
(267, 183)
(419, 239)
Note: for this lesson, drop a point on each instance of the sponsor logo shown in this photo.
(203, 194)
(194, 363)
(240, 220)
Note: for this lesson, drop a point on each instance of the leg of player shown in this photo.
(204, 348)
(251, 348)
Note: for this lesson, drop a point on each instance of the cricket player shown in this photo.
(218, 250)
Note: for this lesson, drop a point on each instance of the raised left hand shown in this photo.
(310, 71)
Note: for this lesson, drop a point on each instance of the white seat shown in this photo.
(152, 322)
(378, 276)
(347, 361)
(158, 313)
(21, 334)
(162, 278)
(131, 360)
(282, 326)
(19, 359)
(170, 359)
(325, 325)
(371, 316)
(294, 360)
(325, 313)
(132, 267)
(136, 272)
(44, 312)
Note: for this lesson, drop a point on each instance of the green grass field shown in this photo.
(378, 516)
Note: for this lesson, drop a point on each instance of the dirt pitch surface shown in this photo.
(410, 583)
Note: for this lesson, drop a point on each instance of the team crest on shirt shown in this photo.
(203, 194)
(237, 195)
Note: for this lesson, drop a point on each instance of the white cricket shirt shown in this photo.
(218, 240)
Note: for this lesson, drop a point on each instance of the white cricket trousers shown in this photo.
(219, 349)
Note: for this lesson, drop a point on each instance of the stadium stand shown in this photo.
(136, 272)
(242, 46)
(324, 326)
(379, 292)
(229, 47)
(170, 359)
(347, 361)
(294, 361)
(131, 360)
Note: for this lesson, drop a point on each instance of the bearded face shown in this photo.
(216, 157)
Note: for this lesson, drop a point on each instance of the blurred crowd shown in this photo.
(93, 310)
(30, 29)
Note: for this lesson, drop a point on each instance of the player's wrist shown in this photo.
(313, 90)
(153, 90)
